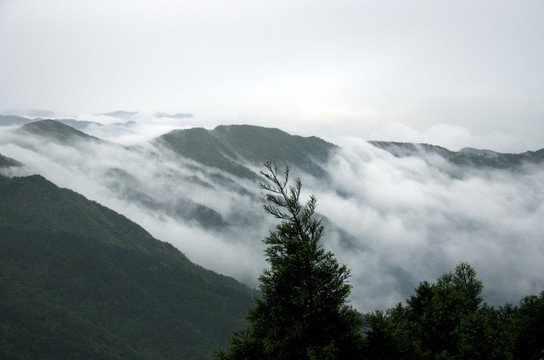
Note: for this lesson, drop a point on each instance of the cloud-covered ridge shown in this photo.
(396, 214)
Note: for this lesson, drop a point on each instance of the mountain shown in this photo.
(467, 157)
(13, 120)
(79, 124)
(470, 150)
(236, 148)
(124, 184)
(43, 114)
(259, 144)
(129, 114)
(121, 114)
(174, 116)
(395, 213)
(200, 145)
(30, 114)
(127, 186)
(79, 280)
(6, 162)
(57, 131)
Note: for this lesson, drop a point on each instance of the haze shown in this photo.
(451, 73)
(394, 221)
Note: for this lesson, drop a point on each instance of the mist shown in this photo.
(414, 221)
(394, 221)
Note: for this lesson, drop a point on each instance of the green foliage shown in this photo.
(453, 299)
(302, 313)
(81, 281)
(528, 328)
(448, 320)
(33, 203)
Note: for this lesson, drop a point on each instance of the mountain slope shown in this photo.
(230, 147)
(57, 131)
(200, 145)
(467, 157)
(81, 281)
(13, 120)
(8, 162)
(259, 144)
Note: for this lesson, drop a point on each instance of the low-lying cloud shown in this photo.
(414, 222)
(394, 221)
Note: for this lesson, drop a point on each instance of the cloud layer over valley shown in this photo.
(394, 219)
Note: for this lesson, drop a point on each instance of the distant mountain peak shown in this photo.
(227, 147)
(467, 157)
(13, 120)
(469, 150)
(120, 114)
(130, 114)
(55, 130)
(174, 116)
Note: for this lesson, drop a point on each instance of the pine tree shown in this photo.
(303, 311)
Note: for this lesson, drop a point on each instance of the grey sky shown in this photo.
(452, 73)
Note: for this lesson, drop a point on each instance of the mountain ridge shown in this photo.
(57, 130)
(464, 157)
(6, 162)
(220, 130)
(227, 147)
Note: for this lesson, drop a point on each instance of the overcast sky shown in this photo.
(453, 73)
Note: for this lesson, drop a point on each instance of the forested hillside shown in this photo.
(80, 281)
(238, 148)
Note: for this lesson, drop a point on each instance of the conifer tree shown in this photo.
(302, 312)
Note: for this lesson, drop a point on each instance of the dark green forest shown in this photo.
(79, 281)
(449, 319)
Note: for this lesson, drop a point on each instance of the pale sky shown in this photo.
(452, 73)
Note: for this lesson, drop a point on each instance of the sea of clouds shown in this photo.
(394, 221)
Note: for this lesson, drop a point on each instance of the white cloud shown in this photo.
(413, 219)
(406, 219)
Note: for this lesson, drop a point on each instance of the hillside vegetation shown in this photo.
(229, 148)
(81, 281)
